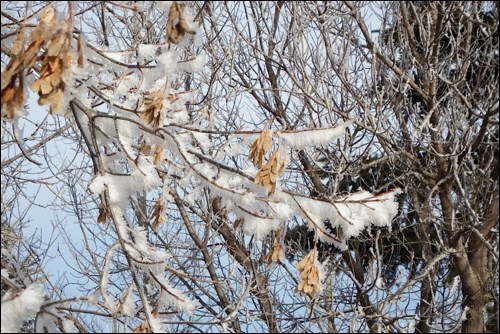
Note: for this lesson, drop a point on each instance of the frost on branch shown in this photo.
(144, 152)
(342, 218)
(313, 137)
(17, 307)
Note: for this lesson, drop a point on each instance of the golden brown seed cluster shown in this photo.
(153, 105)
(277, 252)
(177, 25)
(269, 173)
(260, 147)
(309, 275)
(54, 37)
(158, 217)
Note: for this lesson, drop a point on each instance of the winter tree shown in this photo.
(249, 166)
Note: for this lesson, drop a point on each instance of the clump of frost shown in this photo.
(120, 187)
(68, 326)
(357, 211)
(257, 226)
(128, 304)
(321, 272)
(313, 137)
(142, 245)
(17, 308)
(192, 65)
(93, 298)
(350, 214)
(174, 297)
(282, 210)
(167, 62)
(464, 313)
(48, 321)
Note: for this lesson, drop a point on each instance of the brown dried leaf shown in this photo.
(36, 34)
(19, 94)
(45, 85)
(56, 44)
(153, 105)
(269, 174)
(309, 275)
(277, 253)
(7, 102)
(48, 16)
(18, 45)
(307, 260)
(35, 86)
(147, 117)
(158, 217)
(43, 100)
(67, 59)
(31, 54)
(238, 222)
(6, 79)
(56, 101)
(45, 28)
(176, 31)
(12, 95)
(56, 59)
(260, 147)
(146, 149)
(55, 79)
(158, 154)
(103, 214)
(8, 93)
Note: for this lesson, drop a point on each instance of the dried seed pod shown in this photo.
(269, 174)
(158, 217)
(153, 105)
(260, 147)
(309, 275)
(177, 25)
(277, 252)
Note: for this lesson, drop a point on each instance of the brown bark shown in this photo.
(224, 302)
(368, 309)
(474, 295)
(259, 284)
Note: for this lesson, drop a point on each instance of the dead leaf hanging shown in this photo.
(49, 87)
(80, 46)
(56, 61)
(13, 80)
(177, 25)
(158, 154)
(269, 174)
(158, 217)
(309, 275)
(153, 105)
(260, 147)
(277, 252)
(103, 214)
